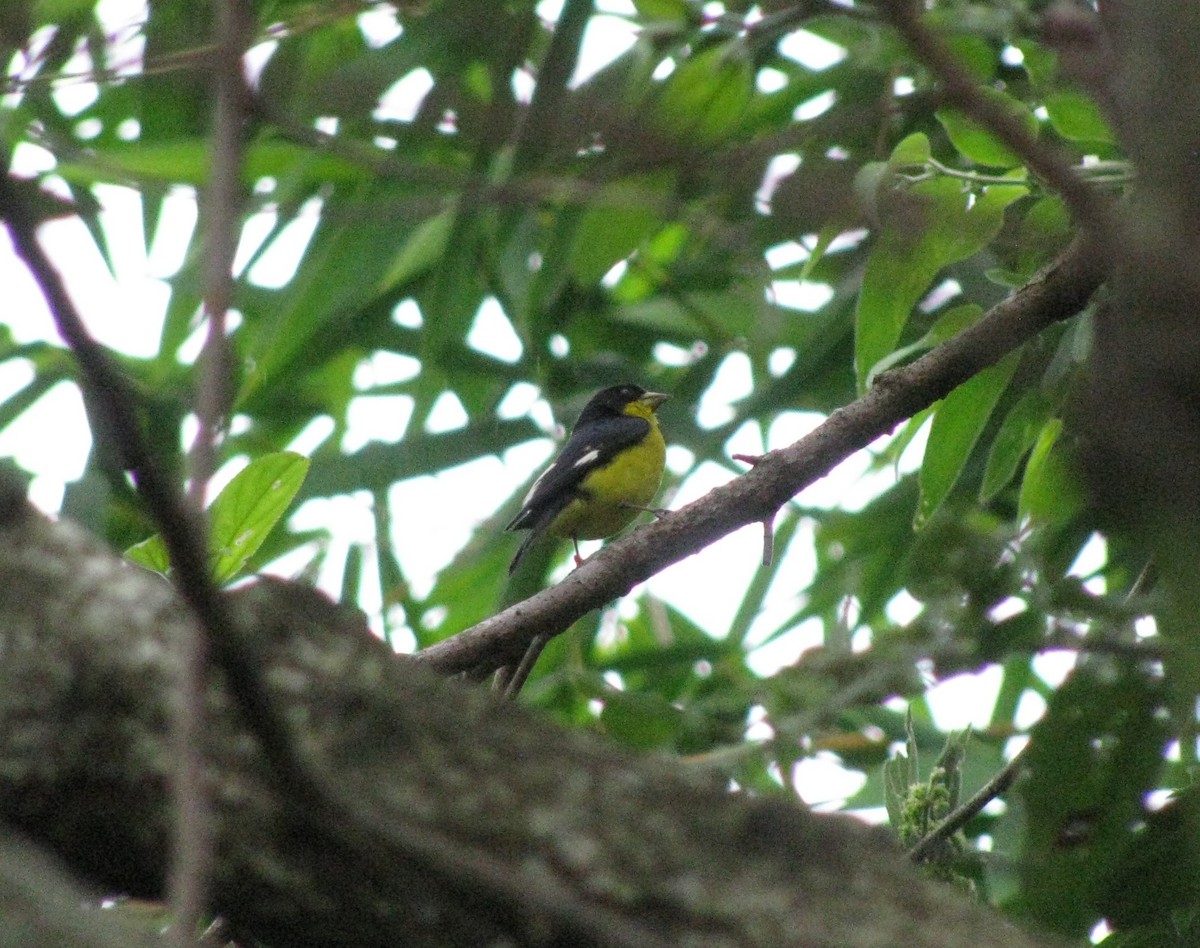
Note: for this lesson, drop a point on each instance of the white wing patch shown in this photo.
(536, 484)
(589, 458)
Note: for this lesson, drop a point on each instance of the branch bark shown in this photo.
(491, 824)
(1059, 291)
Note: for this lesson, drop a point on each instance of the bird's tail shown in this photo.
(525, 544)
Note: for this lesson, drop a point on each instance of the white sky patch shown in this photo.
(408, 314)
(522, 85)
(126, 316)
(493, 335)
(811, 51)
(1030, 709)
(173, 235)
(312, 435)
(385, 368)
(56, 460)
(691, 586)
(669, 354)
(965, 700)
(447, 414)
(814, 107)
(821, 780)
(402, 100)
(224, 474)
(518, 401)
(193, 345)
(778, 168)
(902, 608)
(381, 418)
(770, 80)
(746, 440)
(1053, 667)
(474, 491)
(379, 25)
(780, 360)
(74, 96)
(786, 648)
(279, 262)
(803, 295)
(604, 39)
(788, 253)
(15, 374)
(733, 381)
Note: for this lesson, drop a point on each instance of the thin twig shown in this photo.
(1090, 208)
(193, 846)
(1000, 782)
(528, 660)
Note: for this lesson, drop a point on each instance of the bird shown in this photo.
(609, 469)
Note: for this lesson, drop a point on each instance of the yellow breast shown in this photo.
(633, 477)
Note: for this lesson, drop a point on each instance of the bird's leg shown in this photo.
(578, 558)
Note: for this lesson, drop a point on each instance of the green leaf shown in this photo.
(241, 517)
(644, 721)
(249, 507)
(949, 324)
(425, 246)
(957, 425)
(932, 225)
(150, 553)
(911, 150)
(978, 144)
(1078, 118)
(1016, 436)
(705, 98)
(1039, 62)
(1051, 492)
(662, 9)
(609, 233)
(895, 790)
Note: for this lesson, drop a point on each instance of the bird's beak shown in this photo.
(653, 399)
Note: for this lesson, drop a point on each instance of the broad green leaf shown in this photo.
(933, 225)
(979, 145)
(249, 507)
(1016, 436)
(911, 150)
(608, 234)
(188, 161)
(1039, 62)
(1078, 118)
(662, 9)
(150, 553)
(957, 425)
(949, 324)
(425, 246)
(705, 98)
(644, 721)
(1050, 492)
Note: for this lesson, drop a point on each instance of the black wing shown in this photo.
(590, 446)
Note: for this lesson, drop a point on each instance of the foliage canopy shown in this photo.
(657, 220)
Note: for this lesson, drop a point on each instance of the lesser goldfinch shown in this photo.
(609, 469)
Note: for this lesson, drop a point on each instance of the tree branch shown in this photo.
(1059, 291)
(222, 217)
(522, 833)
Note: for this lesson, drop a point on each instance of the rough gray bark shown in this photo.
(489, 825)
